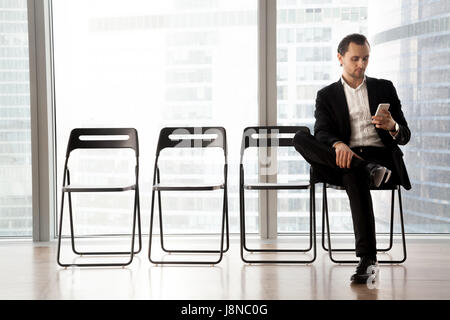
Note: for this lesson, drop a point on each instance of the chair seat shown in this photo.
(277, 186)
(192, 186)
(381, 187)
(84, 188)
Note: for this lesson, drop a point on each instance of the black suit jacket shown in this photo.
(333, 120)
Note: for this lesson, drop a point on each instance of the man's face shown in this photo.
(355, 60)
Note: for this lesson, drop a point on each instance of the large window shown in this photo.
(15, 135)
(412, 48)
(307, 36)
(150, 64)
(147, 65)
(409, 46)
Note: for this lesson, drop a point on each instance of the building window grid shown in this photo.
(15, 133)
(18, 110)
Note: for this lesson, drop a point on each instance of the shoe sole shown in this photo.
(378, 176)
(360, 280)
(388, 175)
(363, 278)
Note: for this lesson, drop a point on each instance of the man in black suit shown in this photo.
(353, 147)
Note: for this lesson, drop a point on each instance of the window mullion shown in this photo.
(41, 102)
(267, 110)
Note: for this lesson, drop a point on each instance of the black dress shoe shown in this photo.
(366, 268)
(377, 174)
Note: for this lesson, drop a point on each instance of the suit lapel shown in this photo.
(371, 92)
(343, 107)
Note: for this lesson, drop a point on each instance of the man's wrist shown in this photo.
(394, 133)
(336, 143)
(395, 128)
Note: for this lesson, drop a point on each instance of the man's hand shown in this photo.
(344, 155)
(384, 121)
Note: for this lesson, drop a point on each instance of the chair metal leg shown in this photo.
(152, 209)
(131, 253)
(225, 211)
(241, 223)
(161, 225)
(139, 222)
(189, 251)
(246, 248)
(402, 224)
(313, 217)
(58, 254)
(136, 215)
(195, 251)
(391, 234)
(160, 219)
(72, 234)
(227, 232)
(323, 221)
(312, 234)
(221, 251)
(391, 226)
(330, 251)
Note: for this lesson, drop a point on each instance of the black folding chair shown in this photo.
(190, 137)
(325, 220)
(76, 142)
(268, 136)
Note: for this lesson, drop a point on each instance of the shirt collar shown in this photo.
(363, 83)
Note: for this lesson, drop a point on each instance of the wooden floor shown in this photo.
(29, 271)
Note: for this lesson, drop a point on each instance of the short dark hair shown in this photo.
(357, 38)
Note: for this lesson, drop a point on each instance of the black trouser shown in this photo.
(355, 180)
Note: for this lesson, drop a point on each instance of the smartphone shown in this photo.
(382, 106)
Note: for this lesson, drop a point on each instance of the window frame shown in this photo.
(42, 119)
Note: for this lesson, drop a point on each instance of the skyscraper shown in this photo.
(411, 47)
(156, 64)
(308, 33)
(15, 133)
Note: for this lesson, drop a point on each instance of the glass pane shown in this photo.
(410, 45)
(306, 65)
(15, 133)
(147, 65)
(416, 57)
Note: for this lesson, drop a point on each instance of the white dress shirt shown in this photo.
(363, 133)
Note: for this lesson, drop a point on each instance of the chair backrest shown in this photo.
(192, 137)
(269, 136)
(102, 138)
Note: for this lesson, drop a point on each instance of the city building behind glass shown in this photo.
(410, 42)
(412, 48)
(15, 133)
(308, 33)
